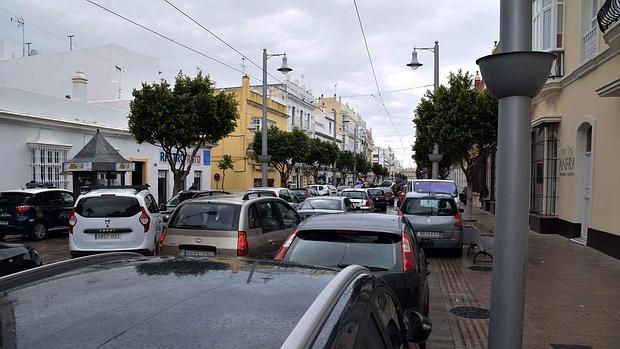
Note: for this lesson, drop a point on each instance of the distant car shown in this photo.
(229, 226)
(17, 257)
(384, 244)
(378, 198)
(333, 191)
(325, 205)
(389, 194)
(283, 193)
(360, 198)
(304, 193)
(436, 219)
(322, 189)
(107, 220)
(341, 188)
(160, 302)
(167, 209)
(34, 213)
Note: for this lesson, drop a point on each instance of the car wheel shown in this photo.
(39, 231)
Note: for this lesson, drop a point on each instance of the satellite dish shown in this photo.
(34, 52)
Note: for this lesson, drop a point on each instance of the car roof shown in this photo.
(434, 180)
(415, 194)
(123, 192)
(355, 221)
(35, 190)
(166, 302)
(339, 198)
(236, 199)
(354, 189)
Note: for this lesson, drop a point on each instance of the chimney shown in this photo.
(79, 86)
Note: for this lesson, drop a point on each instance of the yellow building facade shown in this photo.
(575, 174)
(246, 171)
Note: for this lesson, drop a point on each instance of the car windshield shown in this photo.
(13, 198)
(435, 187)
(334, 248)
(174, 201)
(322, 204)
(375, 192)
(429, 207)
(206, 216)
(108, 206)
(354, 194)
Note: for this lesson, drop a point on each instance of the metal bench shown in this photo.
(475, 246)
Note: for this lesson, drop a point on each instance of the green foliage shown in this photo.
(346, 162)
(377, 169)
(181, 119)
(362, 165)
(461, 120)
(225, 164)
(320, 155)
(286, 149)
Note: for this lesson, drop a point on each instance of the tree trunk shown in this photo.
(470, 197)
(179, 181)
(283, 179)
(223, 177)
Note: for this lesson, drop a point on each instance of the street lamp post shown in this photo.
(435, 157)
(264, 157)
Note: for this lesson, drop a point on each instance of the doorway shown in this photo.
(137, 176)
(584, 137)
(162, 186)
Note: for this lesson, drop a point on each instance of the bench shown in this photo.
(475, 245)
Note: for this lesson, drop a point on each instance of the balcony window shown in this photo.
(545, 35)
(589, 29)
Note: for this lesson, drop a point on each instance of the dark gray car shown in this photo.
(325, 205)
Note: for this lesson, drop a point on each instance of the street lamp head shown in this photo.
(414, 64)
(284, 69)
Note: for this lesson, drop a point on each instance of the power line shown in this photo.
(372, 67)
(386, 92)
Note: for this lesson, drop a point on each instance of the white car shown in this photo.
(359, 198)
(323, 189)
(107, 220)
(332, 190)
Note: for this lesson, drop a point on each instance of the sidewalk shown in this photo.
(572, 295)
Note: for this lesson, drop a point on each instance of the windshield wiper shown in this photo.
(371, 268)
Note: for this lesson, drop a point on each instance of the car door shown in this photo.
(151, 206)
(290, 219)
(257, 241)
(349, 207)
(272, 227)
(65, 210)
(51, 208)
(388, 317)
(422, 267)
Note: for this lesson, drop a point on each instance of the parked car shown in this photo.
(167, 209)
(230, 226)
(325, 205)
(34, 213)
(436, 219)
(437, 186)
(384, 244)
(210, 302)
(333, 191)
(389, 194)
(304, 193)
(18, 257)
(283, 193)
(106, 220)
(360, 198)
(341, 188)
(322, 189)
(379, 199)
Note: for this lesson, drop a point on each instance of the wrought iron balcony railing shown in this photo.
(608, 14)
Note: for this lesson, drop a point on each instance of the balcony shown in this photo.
(608, 18)
(589, 44)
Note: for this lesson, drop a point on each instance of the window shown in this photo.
(53, 198)
(150, 204)
(197, 180)
(253, 217)
(349, 205)
(46, 165)
(589, 29)
(543, 182)
(293, 115)
(289, 217)
(547, 25)
(207, 216)
(13, 198)
(322, 204)
(369, 334)
(429, 207)
(108, 206)
(388, 316)
(269, 220)
(301, 118)
(284, 195)
(67, 199)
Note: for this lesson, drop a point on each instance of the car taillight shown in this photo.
(22, 208)
(242, 244)
(145, 220)
(458, 220)
(284, 248)
(407, 248)
(72, 221)
(164, 233)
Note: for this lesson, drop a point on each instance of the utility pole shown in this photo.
(336, 143)
(514, 77)
(355, 152)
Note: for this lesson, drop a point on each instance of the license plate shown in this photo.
(194, 253)
(4, 223)
(429, 234)
(107, 236)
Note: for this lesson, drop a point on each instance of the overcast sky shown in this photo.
(322, 40)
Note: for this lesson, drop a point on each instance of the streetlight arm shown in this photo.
(269, 55)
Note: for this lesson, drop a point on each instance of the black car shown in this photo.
(34, 212)
(167, 209)
(383, 243)
(17, 257)
(378, 198)
(115, 300)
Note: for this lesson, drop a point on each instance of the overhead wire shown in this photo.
(391, 91)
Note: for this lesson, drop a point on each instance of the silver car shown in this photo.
(436, 220)
(316, 205)
(360, 198)
(229, 226)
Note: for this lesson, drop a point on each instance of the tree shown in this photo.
(345, 163)
(225, 164)
(462, 120)
(362, 166)
(181, 120)
(286, 149)
(320, 155)
(377, 170)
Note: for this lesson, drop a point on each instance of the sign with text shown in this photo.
(566, 162)
(77, 166)
(196, 160)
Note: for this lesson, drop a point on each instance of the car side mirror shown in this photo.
(163, 207)
(419, 328)
(461, 210)
(165, 218)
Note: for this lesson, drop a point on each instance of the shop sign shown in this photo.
(566, 162)
(77, 166)
(196, 160)
(125, 167)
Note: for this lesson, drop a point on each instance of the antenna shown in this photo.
(70, 42)
(21, 24)
(120, 78)
(243, 65)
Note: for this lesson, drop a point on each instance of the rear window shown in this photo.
(321, 204)
(354, 194)
(429, 207)
(434, 187)
(108, 206)
(206, 216)
(375, 192)
(378, 251)
(13, 198)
